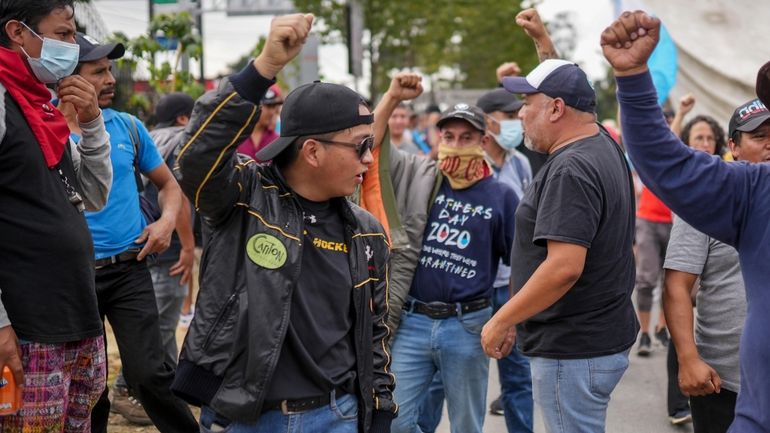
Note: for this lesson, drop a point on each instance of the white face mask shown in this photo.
(58, 59)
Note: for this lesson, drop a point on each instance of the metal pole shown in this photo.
(199, 24)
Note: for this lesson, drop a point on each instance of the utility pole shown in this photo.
(199, 24)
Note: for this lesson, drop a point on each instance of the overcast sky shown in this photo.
(228, 38)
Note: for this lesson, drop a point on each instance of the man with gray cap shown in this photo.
(123, 238)
(573, 272)
(290, 326)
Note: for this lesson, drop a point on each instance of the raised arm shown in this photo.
(533, 26)
(685, 106)
(209, 170)
(678, 175)
(403, 87)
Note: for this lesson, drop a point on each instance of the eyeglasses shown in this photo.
(361, 148)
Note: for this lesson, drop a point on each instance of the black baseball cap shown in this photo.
(499, 100)
(316, 108)
(469, 113)
(91, 49)
(171, 106)
(748, 117)
(558, 79)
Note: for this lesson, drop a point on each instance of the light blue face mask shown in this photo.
(58, 59)
(510, 135)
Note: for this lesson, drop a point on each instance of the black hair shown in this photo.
(719, 133)
(30, 12)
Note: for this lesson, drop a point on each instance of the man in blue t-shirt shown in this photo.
(469, 228)
(122, 240)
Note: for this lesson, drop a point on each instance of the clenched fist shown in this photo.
(405, 86)
(629, 41)
(287, 35)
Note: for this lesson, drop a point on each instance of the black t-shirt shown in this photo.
(46, 250)
(318, 353)
(582, 195)
(536, 159)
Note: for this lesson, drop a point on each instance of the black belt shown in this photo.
(288, 407)
(443, 310)
(125, 256)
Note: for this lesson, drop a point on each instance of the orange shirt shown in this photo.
(652, 209)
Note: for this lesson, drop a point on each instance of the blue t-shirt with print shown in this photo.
(468, 232)
(120, 222)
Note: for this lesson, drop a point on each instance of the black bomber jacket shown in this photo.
(251, 264)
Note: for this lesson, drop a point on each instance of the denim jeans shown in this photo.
(339, 416)
(515, 387)
(515, 381)
(452, 346)
(573, 394)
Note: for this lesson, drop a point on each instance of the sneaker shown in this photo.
(186, 318)
(662, 337)
(645, 345)
(129, 407)
(681, 417)
(496, 408)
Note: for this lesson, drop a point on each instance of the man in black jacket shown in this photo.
(290, 324)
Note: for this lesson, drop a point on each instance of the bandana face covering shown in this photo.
(462, 166)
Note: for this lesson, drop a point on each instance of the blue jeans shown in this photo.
(573, 394)
(452, 347)
(339, 416)
(515, 381)
(515, 384)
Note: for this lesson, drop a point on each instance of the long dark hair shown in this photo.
(719, 133)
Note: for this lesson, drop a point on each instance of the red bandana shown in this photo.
(47, 123)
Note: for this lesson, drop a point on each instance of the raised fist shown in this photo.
(686, 103)
(507, 69)
(287, 35)
(405, 86)
(628, 42)
(530, 21)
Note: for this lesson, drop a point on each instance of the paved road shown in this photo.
(638, 404)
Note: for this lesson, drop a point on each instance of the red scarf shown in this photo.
(47, 123)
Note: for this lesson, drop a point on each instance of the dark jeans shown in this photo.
(676, 400)
(127, 299)
(713, 413)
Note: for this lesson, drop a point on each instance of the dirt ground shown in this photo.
(117, 423)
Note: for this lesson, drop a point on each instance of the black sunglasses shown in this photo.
(361, 148)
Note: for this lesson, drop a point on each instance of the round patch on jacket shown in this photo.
(266, 251)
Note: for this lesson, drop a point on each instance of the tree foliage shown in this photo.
(472, 37)
(165, 76)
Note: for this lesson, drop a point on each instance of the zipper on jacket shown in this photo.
(212, 331)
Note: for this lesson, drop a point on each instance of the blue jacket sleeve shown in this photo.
(710, 194)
